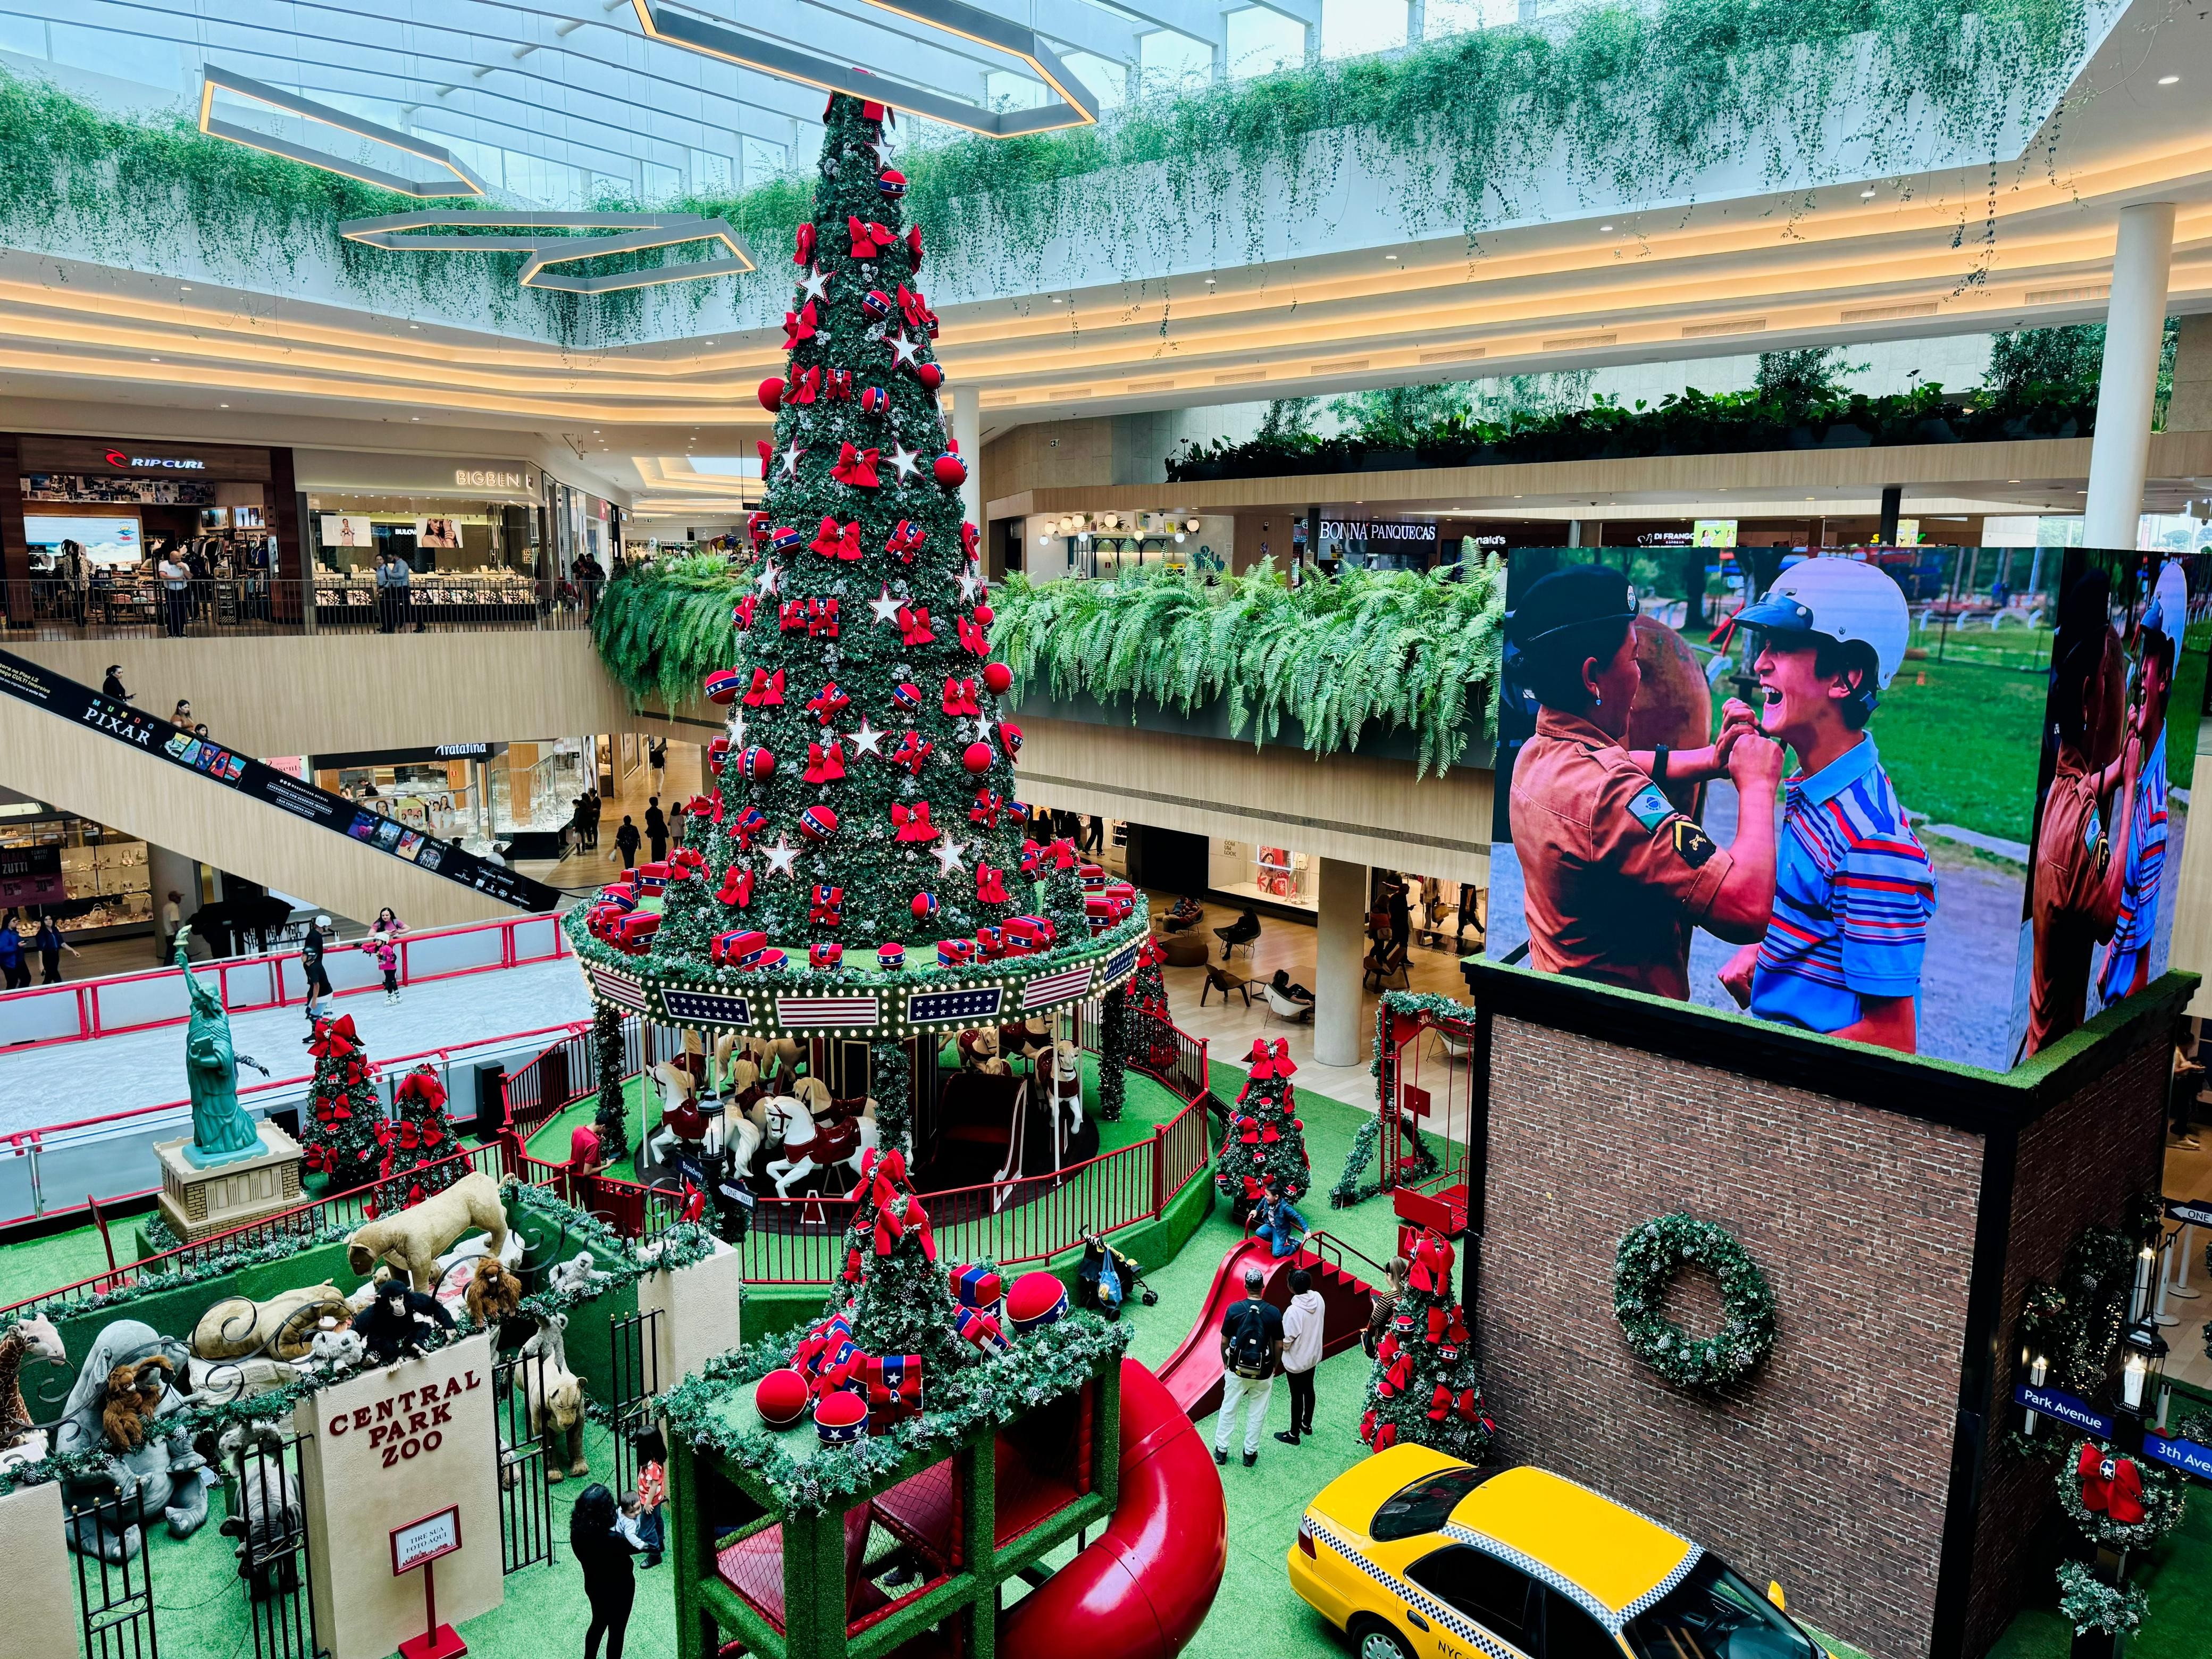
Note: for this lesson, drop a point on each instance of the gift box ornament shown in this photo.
(1035, 1301)
(718, 754)
(824, 954)
(991, 941)
(955, 952)
(1091, 877)
(894, 1380)
(977, 1287)
(981, 1328)
(653, 878)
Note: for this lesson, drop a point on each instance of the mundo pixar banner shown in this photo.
(1932, 798)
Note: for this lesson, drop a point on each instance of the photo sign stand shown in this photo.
(419, 1544)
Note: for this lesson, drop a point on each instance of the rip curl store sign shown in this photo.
(402, 1426)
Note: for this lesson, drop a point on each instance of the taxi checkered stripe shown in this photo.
(1652, 1597)
(1416, 1598)
(1581, 1598)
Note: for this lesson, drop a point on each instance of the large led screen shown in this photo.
(1928, 798)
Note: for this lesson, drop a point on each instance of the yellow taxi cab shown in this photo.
(1417, 1555)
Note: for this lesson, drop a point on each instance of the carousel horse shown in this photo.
(809, 1144)
(1076, 1137)
(681, 1119)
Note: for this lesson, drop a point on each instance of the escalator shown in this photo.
(62, 741)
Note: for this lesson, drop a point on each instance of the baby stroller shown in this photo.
(1107, 1279)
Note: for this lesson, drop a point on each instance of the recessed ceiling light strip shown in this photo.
(638, 233)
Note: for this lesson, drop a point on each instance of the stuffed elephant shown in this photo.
(162, 1476)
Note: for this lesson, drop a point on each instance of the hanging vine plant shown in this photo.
(1648, 1258)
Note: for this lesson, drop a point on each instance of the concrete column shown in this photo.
(1339, 1031)
(2134, 321)
(1417, 21)
(968, 433)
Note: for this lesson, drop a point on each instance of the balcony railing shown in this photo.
(139, 607)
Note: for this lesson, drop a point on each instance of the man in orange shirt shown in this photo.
(1614, 877)
(2076, 889)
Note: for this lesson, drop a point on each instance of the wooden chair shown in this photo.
(1386, 963)
(1219, 978)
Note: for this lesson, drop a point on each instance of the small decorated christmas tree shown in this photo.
(415, 1144)
(1265, 1145)
(339, 1131)
(611, 1121)
(1426, 1387)
(1151, 1030)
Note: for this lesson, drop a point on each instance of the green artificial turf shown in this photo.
(40, 1265)
(2177, 1576)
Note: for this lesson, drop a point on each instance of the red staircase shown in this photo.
(1193, 1371)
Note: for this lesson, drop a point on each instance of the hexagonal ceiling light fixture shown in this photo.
(1077, 107)
(638, 233)
(456, 180)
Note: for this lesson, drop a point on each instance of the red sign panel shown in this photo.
(1413, 1098)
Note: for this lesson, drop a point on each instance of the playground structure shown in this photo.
(1426, 1075)
(1192, 1373)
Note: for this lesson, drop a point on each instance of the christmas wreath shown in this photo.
(1648, 1258)
(2122, 1503)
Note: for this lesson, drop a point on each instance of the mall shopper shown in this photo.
(392, 574)
(1277, 1220)
(590, 577)
(15, 971)
(311, 965)
(50, 946)
(1287, 988)
(626, 842)
(592, 803)
(181, 715)
(604, 1554)
(1386, 1304)
(656, 829)
(172, 922)
(76, 575)
(112, 685)
(176, 593)
(656, 756)
(1251, 1354)
(383, 943)
(1302, 1335)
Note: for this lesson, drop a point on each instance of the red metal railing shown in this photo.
(340, 1210)
(83, 1010)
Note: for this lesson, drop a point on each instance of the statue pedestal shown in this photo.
(198, 1202)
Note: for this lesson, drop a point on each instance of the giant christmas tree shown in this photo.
(861, 863)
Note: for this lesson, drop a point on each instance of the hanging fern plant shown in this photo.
(662, 627)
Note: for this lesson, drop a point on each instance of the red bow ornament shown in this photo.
(837, 386)
(891, 1225)
(1440, 1404)
(914, 244)
(1062, 854)
(914, 750)
(835, 541)
(974, 636)
(825, 762)
(2110, 1485)
(741, 613)
(747, 824)
(990, 803)
(737, 887)
(970, 539)
(828, 703)
(990, 885)
(914, 625)
(803, 253)
(883, 1174)
(798, 325)
(1398, 1373)
(960, 696)
(856, 467)
(867, 239)
(916, 311)
(1432, 1266)
(805, 387)
(827, 906)
(766, 691)
(1470, 1408)
(906, 541)
(913, 822)
(1032, 856)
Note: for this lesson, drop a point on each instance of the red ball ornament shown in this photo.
(781, 1398)
(951, 471)
(976, 757)
(997, 677)
(875, 401)
(983, 615)
(925, 904)
(930, 375)
(817, 823)
(771, 394)
(758, 763)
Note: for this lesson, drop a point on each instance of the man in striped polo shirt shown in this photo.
(1853, 891)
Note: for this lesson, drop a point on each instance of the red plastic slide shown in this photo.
(1193, 1371)
(1143, 1588)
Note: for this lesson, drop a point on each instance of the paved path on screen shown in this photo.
(146, 1068)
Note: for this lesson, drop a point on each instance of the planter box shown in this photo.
(1389, 460)
(698, 1309)
(1377, 742)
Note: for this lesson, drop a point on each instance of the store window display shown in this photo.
(90, 880)
(468, 561)
(1278, 875)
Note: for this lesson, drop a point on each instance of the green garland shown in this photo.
(1352, 1188)
(229, 1261)
(1691, 423)
(1038, 1370)
(2165, 1493)
(615, 1261)
(1648, 1258)
(1405, 649)
(1113, 1054)
(2091, 1604)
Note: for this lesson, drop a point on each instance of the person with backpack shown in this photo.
(626, 840)
(1251, 1354)
(1302, 1339)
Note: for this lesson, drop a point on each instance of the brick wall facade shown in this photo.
(1827, 1470)
(2078, 1165)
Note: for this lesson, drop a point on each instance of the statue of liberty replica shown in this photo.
(232, 1171)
